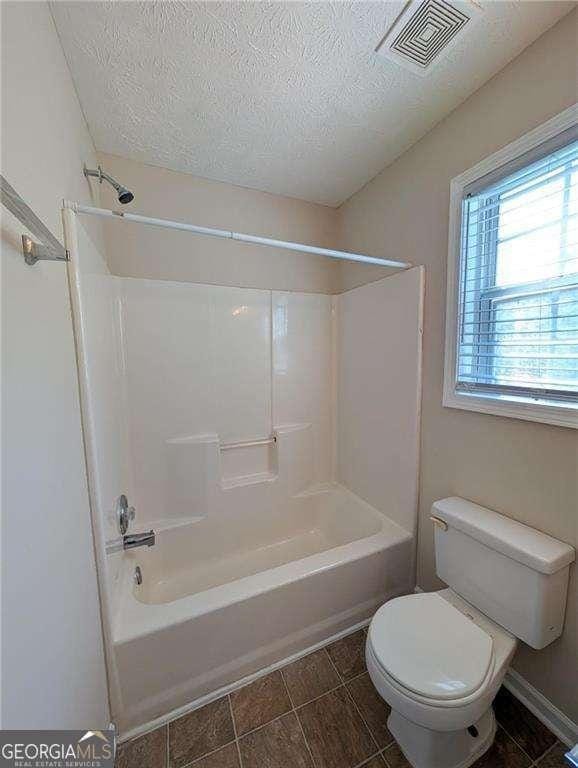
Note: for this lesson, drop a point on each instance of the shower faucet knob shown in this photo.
(124, 513)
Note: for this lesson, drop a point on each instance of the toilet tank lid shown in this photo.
(533, 548)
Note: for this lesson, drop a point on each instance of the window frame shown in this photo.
(522, 406)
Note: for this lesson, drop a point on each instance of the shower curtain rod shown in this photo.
(229, 235)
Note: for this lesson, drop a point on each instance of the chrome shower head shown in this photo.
(124, 195)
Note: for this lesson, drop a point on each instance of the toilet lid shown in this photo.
(429, 647)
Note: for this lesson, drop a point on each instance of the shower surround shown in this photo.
(208, 367)
(271, 440)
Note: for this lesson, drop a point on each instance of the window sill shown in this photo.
(561, 415)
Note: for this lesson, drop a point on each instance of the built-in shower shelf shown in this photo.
(236, 482)
(248, 462)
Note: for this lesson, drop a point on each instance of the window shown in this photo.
(513, 328)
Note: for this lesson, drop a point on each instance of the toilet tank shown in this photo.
(514, 574)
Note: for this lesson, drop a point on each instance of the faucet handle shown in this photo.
(124, 513)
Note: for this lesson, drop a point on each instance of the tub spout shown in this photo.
(133, 540)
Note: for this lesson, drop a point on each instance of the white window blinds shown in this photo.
(518, 293)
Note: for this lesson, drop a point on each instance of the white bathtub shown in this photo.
(283, 581)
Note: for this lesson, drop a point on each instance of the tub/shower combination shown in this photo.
(218, 603)
(266, 550)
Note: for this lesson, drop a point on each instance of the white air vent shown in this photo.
(425, 32)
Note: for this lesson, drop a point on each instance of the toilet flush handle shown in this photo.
(439, 522)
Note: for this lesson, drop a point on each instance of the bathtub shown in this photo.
(285, 581)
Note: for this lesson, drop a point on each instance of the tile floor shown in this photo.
(319, 712)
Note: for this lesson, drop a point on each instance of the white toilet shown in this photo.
(439, 658)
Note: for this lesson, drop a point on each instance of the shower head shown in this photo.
(124, 195)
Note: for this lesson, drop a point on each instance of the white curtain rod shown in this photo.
(225, 233)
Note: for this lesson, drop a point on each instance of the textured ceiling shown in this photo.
(286, 97)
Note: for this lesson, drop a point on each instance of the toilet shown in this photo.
(438, 659)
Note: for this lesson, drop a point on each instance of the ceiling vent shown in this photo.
(425, 32)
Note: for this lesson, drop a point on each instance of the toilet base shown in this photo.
(425, 748)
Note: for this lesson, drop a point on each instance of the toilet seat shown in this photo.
(439, 714)
(430, 651)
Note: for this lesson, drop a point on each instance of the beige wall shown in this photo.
(52, 657)
(525, 470)
(137, 251)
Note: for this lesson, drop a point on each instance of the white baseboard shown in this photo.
(561, 725)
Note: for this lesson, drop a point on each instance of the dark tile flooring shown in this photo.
(319, 712)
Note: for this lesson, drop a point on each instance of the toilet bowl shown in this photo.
(439, 663)
(439, 658)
